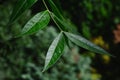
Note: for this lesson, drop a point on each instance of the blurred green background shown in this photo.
(97, 20)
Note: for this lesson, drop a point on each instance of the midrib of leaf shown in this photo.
(35, 22)
(86, 44)
(52, 50)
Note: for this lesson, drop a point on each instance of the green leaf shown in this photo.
(82, 42)
(55, 10)
(63, 24)
(20, 7)
(55, 51)
(67, 41)
(39, 21)
(60, 22)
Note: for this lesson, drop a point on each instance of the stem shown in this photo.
(51, 15)
(45, 5)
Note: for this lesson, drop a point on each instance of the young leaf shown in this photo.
(82, 42)
(55, 51)
(20, 7)
(39, 21)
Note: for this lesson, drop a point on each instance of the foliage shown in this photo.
(41, 19)
(95, 20)
(23, 58)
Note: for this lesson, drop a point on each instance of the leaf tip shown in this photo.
(44, 69)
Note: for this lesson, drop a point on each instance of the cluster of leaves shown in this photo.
(23, 58)
(41, 20)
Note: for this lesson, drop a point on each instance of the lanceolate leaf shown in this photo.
(20, 7)
(39, 21)
(60, 22)
(55, 51)
(64, 24)
(55, 10)
(82, 42)
(60, 18)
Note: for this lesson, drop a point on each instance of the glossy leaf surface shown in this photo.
(84, 43)
(55, 51)
(39, 21)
